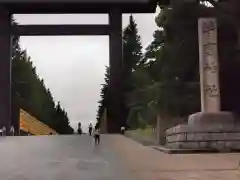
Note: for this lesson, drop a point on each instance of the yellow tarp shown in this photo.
(30, 124)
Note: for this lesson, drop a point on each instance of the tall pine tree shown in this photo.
(31, 94)
(103, 102)
(132, 47)
(132, 58)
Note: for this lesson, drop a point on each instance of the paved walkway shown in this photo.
(58, 158)
(117, 158)
(146, 163)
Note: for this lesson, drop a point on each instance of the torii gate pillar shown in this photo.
(5, 68)
(116, 104)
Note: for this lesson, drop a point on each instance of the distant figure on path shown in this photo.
(4, 131)
(12, 131)
(122, 130)
(79, 128)
(90, 128)
(97, 136)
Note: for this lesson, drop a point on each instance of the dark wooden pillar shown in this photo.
(114, 111)
(15, 117)
(5, 68)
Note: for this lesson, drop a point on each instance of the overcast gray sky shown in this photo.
(73, 67)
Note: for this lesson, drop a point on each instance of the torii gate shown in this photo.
(114, 8)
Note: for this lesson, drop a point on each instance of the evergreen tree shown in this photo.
(180, 60)
(132, 59)
(132, 51)
(132, 46)
(171, 65)
(167, 80)
(61, 123)
(179, 71)
(32, 95)
(103, 103)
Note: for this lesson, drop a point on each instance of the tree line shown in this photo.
(31, 94)
(162, 80)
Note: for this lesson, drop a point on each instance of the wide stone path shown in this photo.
(146, 163)
(58, 158)
(117, 158)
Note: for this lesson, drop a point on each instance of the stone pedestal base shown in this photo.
(216, 131)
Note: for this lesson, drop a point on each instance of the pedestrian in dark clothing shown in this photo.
(90, 128)
(79, 128)
(97, 136)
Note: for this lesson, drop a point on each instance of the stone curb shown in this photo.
(156, 146)
(185, 151)
(140, 139)
(192, 151)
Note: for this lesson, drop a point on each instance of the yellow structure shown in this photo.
(30, 124)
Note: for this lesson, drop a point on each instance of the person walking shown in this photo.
(12, 133)
(79, 128)
(122, 129)
(90, 128)
(97, 136)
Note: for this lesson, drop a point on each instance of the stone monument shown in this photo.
(208, 65)
(210, 129)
